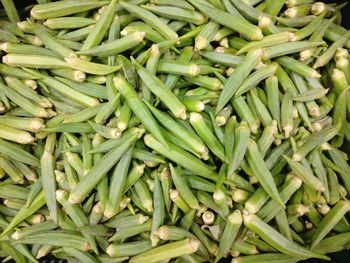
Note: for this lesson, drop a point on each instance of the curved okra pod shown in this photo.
(129, 249)
(159, 209)
(51, 10)
(206, 35)
(260, 108)
(287, 48)
(178, 14)
(329, 53)
(267, 137)
(255, 78)
(114, 47)
(275, 239)
(239, 75)
(23, 102)
(198, 123)
(90, 67)
(241, 136)
(232, 226)
(183, 188)
(17, 72)
(12, 134)
(178, 68)
(287, 115)
(48, 176)
(334, 243)
(268, 41)
(117, 184)
(56, 238)
(150, 19)
(168, 251)
(50, 41)
(161, 91)
(329, 221)
(181, 157)
(314, 140)
(265, 258)
(68, 22)
(235, 23)
(184, 57)
(15, 152)
(91, 179)
(258, 165)
(102, 25)
(305, 174)
(138, 107)
(33, 61)
(298, 67)
(76, 214)
(27, 92)
(25, 212)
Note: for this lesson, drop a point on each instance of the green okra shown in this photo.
(235, 23)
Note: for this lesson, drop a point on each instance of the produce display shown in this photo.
(174, 131)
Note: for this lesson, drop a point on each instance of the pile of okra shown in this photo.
(174, 131)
